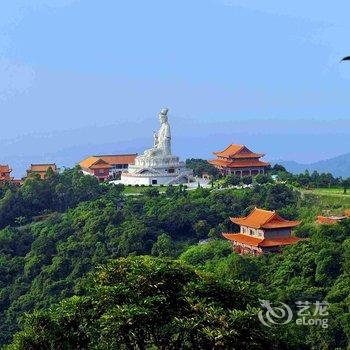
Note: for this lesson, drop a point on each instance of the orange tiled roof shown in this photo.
(88, 162)
(5, 169)
(259, 218)
(109, 159)
(42, 167)
(329, 219)
(260, 242)
(238, 163)
(218, 162)
(238, 151)
(238, 237)
(100, 164)
(119, 159)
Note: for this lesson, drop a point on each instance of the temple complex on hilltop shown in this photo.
(262, 231)
(106, 167)
(239, 160)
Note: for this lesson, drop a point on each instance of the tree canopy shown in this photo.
(143, 302)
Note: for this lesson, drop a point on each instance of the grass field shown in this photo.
(338, 192)
(141, 189)
(329, 198)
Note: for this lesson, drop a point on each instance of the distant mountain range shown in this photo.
(338, 166)
(191, 139)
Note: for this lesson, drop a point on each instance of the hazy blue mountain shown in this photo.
(301, 141)
(338, 166)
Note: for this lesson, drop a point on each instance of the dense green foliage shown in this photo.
(47, 261)
(307, 180)
(200, 166)
(43, 263)
(317, 269)
(57, 192)
(138, 303)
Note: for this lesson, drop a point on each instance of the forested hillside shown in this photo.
(62, 229)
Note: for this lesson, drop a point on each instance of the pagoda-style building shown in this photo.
(240, 161)
(262, 231)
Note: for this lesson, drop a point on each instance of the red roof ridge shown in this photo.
(255, 210)
(262, 218)
(238, 147)
(238, 151)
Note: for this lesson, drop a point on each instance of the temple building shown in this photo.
(262, 231)
(106, 167)
(240, 161)
(5, 173)
(41, 169)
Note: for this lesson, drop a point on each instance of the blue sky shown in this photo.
(84, 64)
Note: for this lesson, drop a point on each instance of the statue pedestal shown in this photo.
(157, 171)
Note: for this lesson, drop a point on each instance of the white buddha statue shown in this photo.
(162, 139)
(157, 165)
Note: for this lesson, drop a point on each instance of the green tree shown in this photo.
(201, 228)
(247, 180)
(140, 303)
(327, 265)
(151, 192)
(346, 185)
(200, 166)
(278, 168)
(263, 179)
(163, 247)
(232, 180)
(199, 255)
